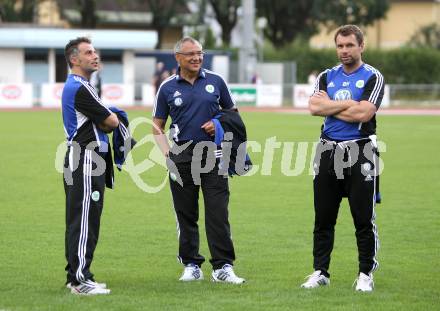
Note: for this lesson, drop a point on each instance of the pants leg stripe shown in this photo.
(87, 168)
(373, 218)
(85, 226)
(79, 274)
(177, 225)
(179, 259)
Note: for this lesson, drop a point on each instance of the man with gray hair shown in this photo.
(192, 98)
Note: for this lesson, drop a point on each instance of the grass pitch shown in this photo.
(271, 218)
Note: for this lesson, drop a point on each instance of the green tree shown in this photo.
(87, 10)
(360, 12)
(426, 36)
(162, 12)
(206, 37)
(287, 20)
(11, 11)
(226, 15)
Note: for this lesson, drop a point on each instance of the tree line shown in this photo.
(286, 19)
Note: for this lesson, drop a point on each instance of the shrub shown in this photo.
(399, 66)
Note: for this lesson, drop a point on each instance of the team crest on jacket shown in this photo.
(209, 88)
(178, 101)
(95, 196)
(343, 94)
(360, 84)
(366, 166)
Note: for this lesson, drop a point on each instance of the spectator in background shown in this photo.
(157, 77)
(256, 79)
(165, 74)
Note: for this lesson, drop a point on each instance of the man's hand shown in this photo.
(158, 130)
(105, 128)
(110, 123)
(209, 127)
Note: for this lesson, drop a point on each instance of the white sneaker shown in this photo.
(88, 288)
(364, 282)
(227, 275)
(316, 279)
(191, 272)
(102, 285)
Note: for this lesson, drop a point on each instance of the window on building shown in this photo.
(112, 67)
(36, 66)
(36, 69)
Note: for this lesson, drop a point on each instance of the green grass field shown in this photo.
(271, 217)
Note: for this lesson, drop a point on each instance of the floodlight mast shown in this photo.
(247, 57)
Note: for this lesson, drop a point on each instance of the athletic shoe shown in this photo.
(316, 279)
(89, 288)
(364, 282)
(226, 275)
(192, 272)
(102, 285)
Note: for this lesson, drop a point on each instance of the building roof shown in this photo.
(58, 38)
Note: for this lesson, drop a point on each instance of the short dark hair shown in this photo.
(347, 30)
(72, 48)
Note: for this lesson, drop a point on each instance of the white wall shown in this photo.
(220, 65)
(270, 73)
(12, 65)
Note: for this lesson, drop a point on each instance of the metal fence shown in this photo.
(401, 95)
(415, 95)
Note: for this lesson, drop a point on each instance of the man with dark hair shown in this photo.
(348, 96)
(192, 98)
(348, 30)
(86, 122)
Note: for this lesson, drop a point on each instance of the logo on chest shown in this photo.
(178, 101)
(360, 84)
(343, 94)
(209, 88)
